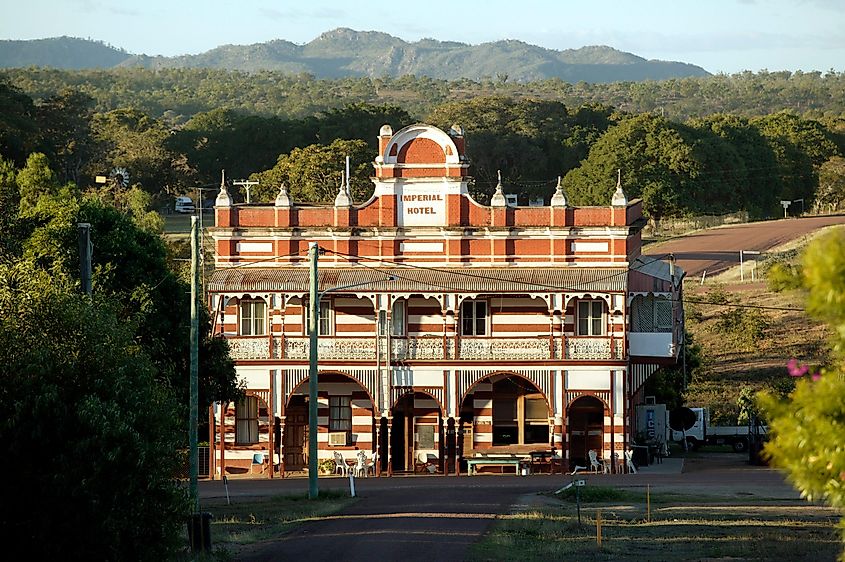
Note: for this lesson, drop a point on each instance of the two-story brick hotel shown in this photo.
(502, 329)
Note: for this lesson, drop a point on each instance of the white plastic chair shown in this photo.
(360, 468)
(340, 464)
(370, 464)
(629, 461)
(596, 464)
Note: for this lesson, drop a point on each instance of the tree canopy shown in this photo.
(806, 428)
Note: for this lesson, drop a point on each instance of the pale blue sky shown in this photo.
(719, 35)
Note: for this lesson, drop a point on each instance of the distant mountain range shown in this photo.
(346, 52)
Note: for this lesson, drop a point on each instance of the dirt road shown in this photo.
(717, 249)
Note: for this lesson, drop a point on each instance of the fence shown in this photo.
(674, 226)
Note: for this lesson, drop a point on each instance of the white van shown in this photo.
(184, 205)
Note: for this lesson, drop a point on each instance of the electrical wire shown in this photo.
(686, 300)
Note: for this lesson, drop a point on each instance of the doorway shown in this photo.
(586, 429)
(296, 423)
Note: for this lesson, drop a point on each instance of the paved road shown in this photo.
(405, 519)
(717, 249)
(438, 518)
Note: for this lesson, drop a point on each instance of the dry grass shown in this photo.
(681, 528)
(258, 519)
(730, 367)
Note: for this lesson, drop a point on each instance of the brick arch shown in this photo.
(349, 376)
(471, 387)
(602, 396)
(399, 393)
(421, 151)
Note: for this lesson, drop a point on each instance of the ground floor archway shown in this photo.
(586, 429)
(416, 434)
(504, 412)
(346, 421)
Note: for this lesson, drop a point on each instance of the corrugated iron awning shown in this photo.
(413, 280)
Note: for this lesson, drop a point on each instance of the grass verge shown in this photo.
(253, 520)
(680, 528)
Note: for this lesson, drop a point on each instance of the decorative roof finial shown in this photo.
(223, 199)
(283, 199)
(343, 199)
(498, 199)
(559, 198)
(619, 199)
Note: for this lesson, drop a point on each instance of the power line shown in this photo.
(353, 260)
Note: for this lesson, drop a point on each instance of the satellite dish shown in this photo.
(120, 176)
(682, 419)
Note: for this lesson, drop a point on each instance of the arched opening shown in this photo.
(586, 429)
(345, 412)
(416, 437)
(504, 413)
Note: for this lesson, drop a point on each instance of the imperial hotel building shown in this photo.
(447, 329)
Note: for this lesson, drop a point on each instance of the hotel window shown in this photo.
(340, 413)
(246, 421)
(253, 317)
(324, 325)
(591, 320)
(474, 318)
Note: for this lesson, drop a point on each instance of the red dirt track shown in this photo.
(717, 249)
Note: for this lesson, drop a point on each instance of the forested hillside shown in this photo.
(694, 146)
(177, 94)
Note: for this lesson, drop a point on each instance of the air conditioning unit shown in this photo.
(337, 438)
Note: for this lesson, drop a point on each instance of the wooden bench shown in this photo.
(474, 462)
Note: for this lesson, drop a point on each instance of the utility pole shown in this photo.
(313, 327)
(85, 251)
(194, 398)
(247, 185)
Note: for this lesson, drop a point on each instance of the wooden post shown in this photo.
(598, 528)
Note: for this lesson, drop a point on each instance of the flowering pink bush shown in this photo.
(796, 370)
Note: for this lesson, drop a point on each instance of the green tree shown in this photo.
(9, 206)
(657, 164)
(64, 123)
(131, 264)
(132, 140)
(800, 146)
(91, 440)
(313, 174)
(831, 192)
(35, 181)
(524, 138)
(806, 429)
(18, 129)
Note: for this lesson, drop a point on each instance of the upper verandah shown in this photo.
(421, 181)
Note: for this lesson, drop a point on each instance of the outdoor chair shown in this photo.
(370, 464)
(360, 468)
(257, 460)
(340, 464)
(426, 462)
(596, 464)
(629, 461)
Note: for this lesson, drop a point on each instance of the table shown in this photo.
(542, 461)
(474, 462)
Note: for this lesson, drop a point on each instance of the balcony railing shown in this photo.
(429, 348)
